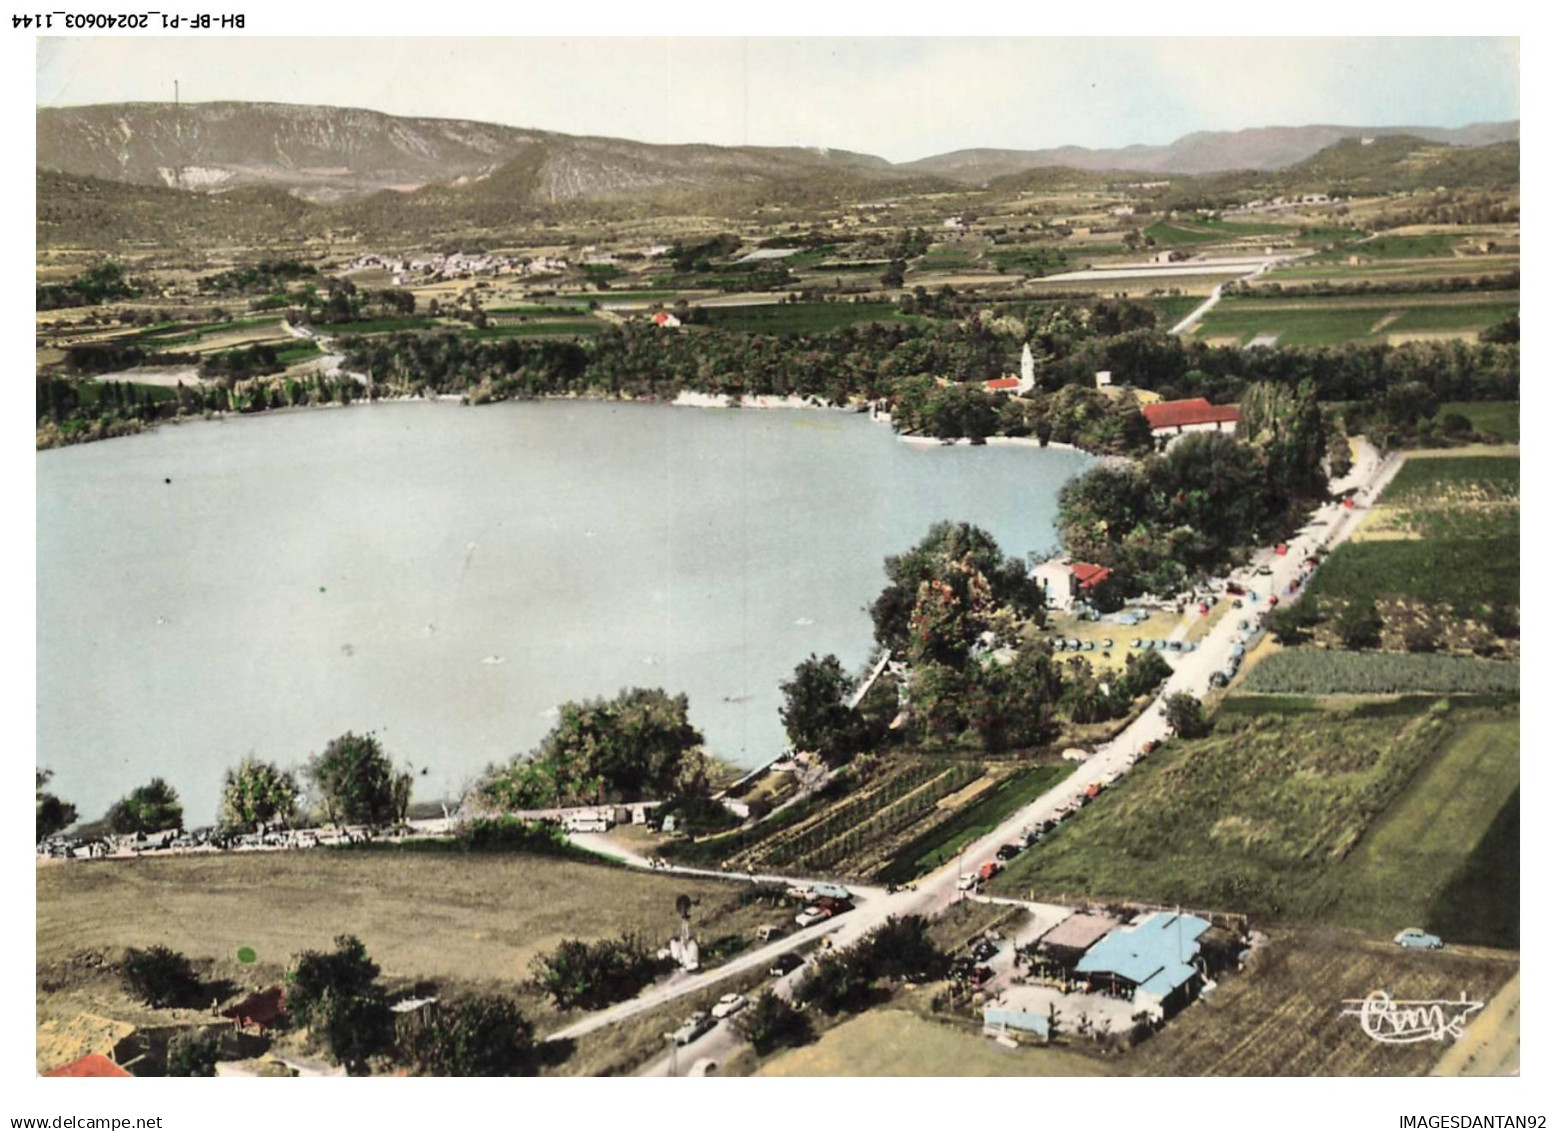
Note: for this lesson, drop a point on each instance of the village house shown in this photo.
(1064, 582)
(1151, 962)
(1171, 419)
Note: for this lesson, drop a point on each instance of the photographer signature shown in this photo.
(1406, 1022)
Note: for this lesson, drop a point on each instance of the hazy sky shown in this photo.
(898, 98)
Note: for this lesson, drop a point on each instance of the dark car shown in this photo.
(962, 969)
(980, 975)
(1008, 851)
(785, 963)
(984, 950)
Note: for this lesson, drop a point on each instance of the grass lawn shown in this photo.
(1261, 816)
(1480, 903)
(1423, 863)
(798, 317)
(1195, 230)
(472, 919)
(1496, 418)
(1282, 1015)
(895, 1042)
(1430, 246)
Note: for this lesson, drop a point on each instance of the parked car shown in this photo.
(983, 950)
(768, 933)
(980, 975)
(1137, 643)
(1218, 679)
(811, 916)
(967, 881)
(695, 1026)
(785, 964)
(1264, 571)
(989, 869)
(1106, 644)
(1008, 851)
(729, 1005)
(706, 1066)
(832, 891)
(1416, 938)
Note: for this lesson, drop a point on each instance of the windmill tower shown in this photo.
(683, 948)
(1028, 371)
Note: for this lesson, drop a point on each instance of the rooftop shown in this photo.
(1153, 953)
(93, 1064)
(1080, 931)
(1182, 414)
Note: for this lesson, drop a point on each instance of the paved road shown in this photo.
(1332, 523)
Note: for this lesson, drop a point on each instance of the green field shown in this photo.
(1479, 904)
(1318, 671)
(1454, 481)
(1330, 321)
(935, 846)
(1172, 309)
(377, 326)
(1461, 515)
(1408, 871)
(798, 317)
(90, 392)
(1197, 230)
(1432, 246)
(1495, 418)
(587, 327)
(1262, 816)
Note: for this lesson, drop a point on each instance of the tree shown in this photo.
(1360, 625)
(837, 982)
(586, 975)
(1292, 624)
(192, 1054)
(771, 1023)
(814, 713)
(152, 808)
(485, 1035)
(54, 815)
(639, 744)
(1186, 716)
(160, 977)
(337, 995)
(894, 274)
(357, 783)
(901, 948)
(258, 793)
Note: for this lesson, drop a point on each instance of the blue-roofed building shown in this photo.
(1151, 960)
(1021, 1020)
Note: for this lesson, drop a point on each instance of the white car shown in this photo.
(812, 915)
(728, 1005)
(967, 881)
(696, 1025)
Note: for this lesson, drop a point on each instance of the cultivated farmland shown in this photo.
(1313, 671)
(1262, 816)
(1283, 1015)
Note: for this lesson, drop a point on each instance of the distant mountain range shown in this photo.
(330, 154)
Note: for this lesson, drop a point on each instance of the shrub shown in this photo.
(192, 1054)
(153, 808)
(772, 1023)
(481, 1036)
(337, 995)
(159, 977)
(584, 975)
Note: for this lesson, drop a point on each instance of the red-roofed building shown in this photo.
(93, 1064)
(665, 320)
(1065, 581)
(1173, 418)
(1002, 384)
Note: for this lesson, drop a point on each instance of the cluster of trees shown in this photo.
(92, 358)
(356, 782)
(264, 276)
(897, 950)
(54, 815)
(338, 997)
(151, 808)
(638, 745)
(592, 975)
(1163, 522)
(1507, 281)
(241, 363)
(105, 282)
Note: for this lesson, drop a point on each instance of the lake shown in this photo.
(444, 576)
